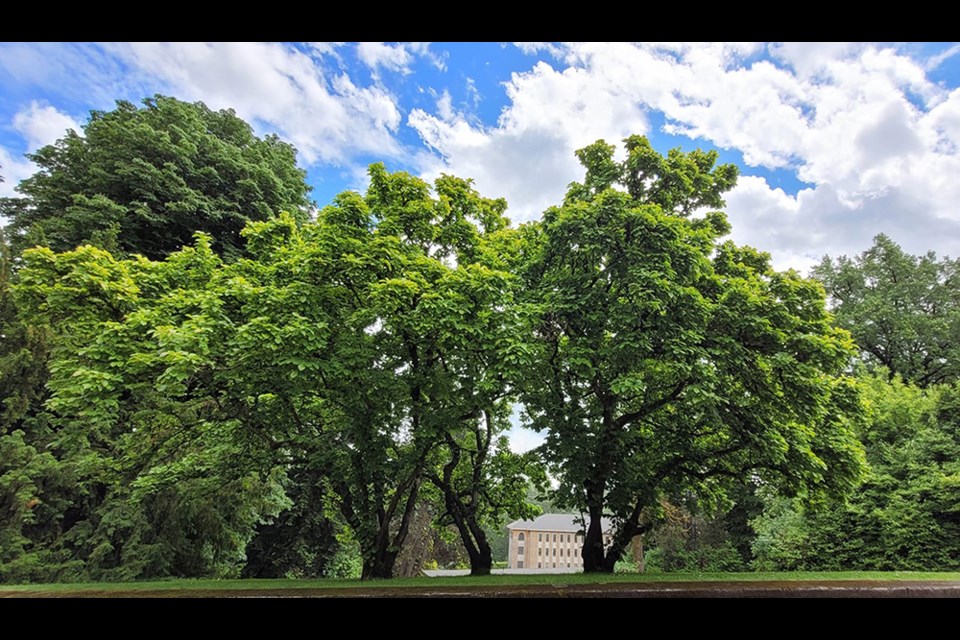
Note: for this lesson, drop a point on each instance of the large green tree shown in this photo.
(143, 180)
(152, 479)
(903, 310)
(138, 181)
(666, 362)
(362, 352)
(437, 311)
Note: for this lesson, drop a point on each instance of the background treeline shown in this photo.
(202, 374)
(904, 313)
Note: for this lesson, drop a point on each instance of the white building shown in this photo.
(551, 541)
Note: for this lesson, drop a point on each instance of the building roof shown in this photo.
(563, 522)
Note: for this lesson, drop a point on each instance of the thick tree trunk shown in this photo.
(484, 562)
(592, 552)
(380, 566)
(613, 556)
(385, 549)
(481, 560)
(471, 535)
(622, 539)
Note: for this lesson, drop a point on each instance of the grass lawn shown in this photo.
(460, 581)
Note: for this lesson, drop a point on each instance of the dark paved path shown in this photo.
(782, 589)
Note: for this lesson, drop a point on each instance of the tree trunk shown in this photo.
(628, 530)
(612, 556)
(380, 566)
(484, 562)
(638, 557)
(481, 561)
(592, 552)
(471, 535)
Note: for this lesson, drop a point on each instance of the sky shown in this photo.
(836, 142)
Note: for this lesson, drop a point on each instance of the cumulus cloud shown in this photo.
(39, 125)
(799, 230)
(396, 57)
(527, 157)
(13, 170)
(375, 55)
(323, 113)
(875, 141)
(862, 123)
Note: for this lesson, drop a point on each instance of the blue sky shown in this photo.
(836, 142)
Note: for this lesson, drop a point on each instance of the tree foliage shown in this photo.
(199, 380)
(906, 514)
(665, 361)
(152, 480)
(690, 541)
(143, 180)
(359, 352)
(903, 310)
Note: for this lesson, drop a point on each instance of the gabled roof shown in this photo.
(562, 522)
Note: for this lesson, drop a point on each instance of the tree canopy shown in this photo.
(367, 351)
(903, 310)
(143, 180)
(200, 379)
(665, 361)
(906, 514)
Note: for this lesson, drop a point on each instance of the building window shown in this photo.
(554, 551)
(554, 537)
(539, 551)
(538, 565)
(519, 564)
(568, 552)
(554, 565)
(520, 537)
(519, 551)
(568, 565)
(540, 535)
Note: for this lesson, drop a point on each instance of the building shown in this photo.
(552, 541)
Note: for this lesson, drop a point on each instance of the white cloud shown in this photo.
(935, 61)
(528, 157)
(533, 48)
(861, 123)
(326, 48)
(810, 58)
(445, 106)
(13, 170)
(380, 54)
(42, 125)
(523, 439)
(799, 230)
(397, 57)
(81, 72)
(324, 114)
(39, 125)
(473, 94)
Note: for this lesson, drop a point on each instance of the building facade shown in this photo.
(551, 541)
